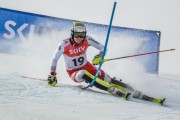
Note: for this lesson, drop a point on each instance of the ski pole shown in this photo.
(105, 60)
(33, 78)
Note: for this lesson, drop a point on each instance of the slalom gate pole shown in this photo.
(105, 47)
(105, 60)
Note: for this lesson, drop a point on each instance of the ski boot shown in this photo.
(140, 95)
(116, 92)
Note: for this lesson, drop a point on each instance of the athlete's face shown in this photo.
(78, 40)
(79, 37)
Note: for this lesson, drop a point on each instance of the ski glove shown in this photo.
(52, 79)
(97, 59)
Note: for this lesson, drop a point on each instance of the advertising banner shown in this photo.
(17, 27)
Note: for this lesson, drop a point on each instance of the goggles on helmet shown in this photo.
(79, 34)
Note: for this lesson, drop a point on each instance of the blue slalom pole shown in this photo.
(105, 47)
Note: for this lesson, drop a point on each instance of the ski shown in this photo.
(135, 93)
(125, 96)
(159, 101)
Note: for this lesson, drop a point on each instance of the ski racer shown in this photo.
(80, 69)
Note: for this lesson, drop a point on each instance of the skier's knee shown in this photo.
(77, 76)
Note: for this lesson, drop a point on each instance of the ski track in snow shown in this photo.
(21, 97)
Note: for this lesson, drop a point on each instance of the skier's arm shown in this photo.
(52, 80)
(96, 44)
(99, 46)
(56, 57)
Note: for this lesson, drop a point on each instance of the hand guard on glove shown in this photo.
(97, 59)
(52, 79)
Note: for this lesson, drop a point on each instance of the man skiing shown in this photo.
(79, 69)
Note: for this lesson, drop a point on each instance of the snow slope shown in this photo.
(28, 99)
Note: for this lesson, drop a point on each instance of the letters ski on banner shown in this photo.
(17, 27)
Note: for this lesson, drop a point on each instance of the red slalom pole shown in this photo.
(33, 78)
(105, 60)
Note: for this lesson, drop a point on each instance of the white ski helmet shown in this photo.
(78, 30)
